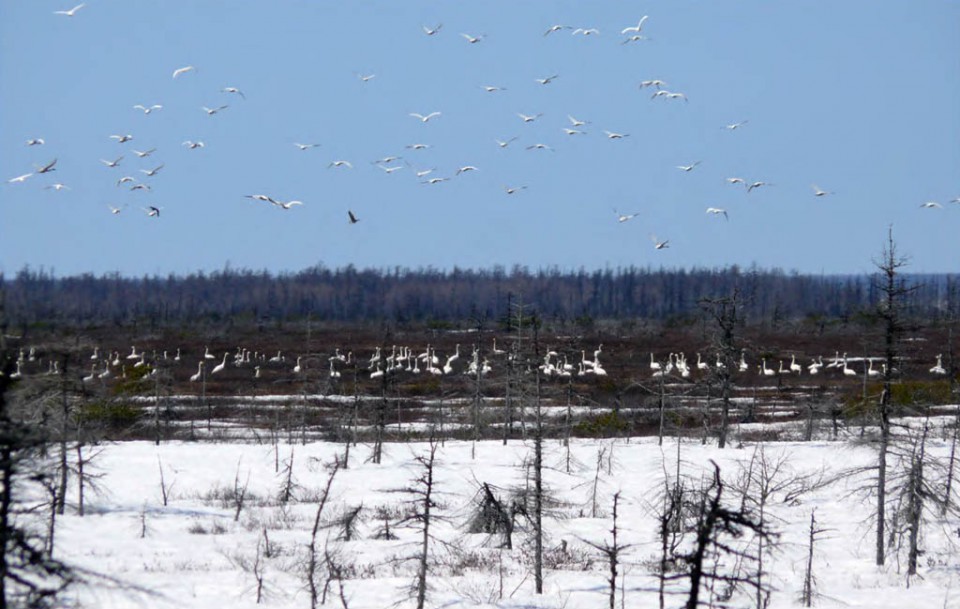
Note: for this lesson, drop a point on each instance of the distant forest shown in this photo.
(430, 295)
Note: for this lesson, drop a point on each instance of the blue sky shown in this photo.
(858, 97)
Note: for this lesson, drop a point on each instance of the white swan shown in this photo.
(847, 371)
(764, 370)
(221, 366)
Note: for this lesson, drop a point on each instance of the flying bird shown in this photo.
(423, 118)
(491, 88)
(121, 138)
(431, 31)
(733, 126)
(527, 118)
(556, 28)
(615, 136)
(657, 244)
(125, 179)
(634, 38)
(58, 187)
(346, 164)
(264, 198)
(717, 211)
(212, 111)
(505, 143)
(145, 153)
(286, 205)
(547, 80)
(570, 131)
(37, 141)
(152, 212)
(152, 172)
(513, 189)
(193, 145)
(305, 146)
(112, 163)
(115, 210)
(235, 91)
(585, 31)
(688, 167)
(417, 146)
(931, 205)
(435, 180)
(736, 181)
(72, 11)
(635, 28)
(148, 109)
(757, 185)
(818, 192)
(539, 146)
(625, 217)
(472, 39)
(140, 187)
(353, 219)
(577, 122)
(19, 179)
(366, 77)
(465, 169)
(183, 70)
(389, 170)
(652, 83)
(668, 95)
(48, 167)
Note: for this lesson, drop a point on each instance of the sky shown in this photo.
(858, 98)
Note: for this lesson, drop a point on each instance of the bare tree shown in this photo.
(29, 575)
(423, 490)
(288, 484)
(726, 315)
(715, 527)
(611, 551)
(894, 292)
(808, 592)
(763, 479)
(492, 517)
(165, 488)
(239, 494)
(313, 560)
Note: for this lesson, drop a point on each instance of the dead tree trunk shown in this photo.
(894, 292)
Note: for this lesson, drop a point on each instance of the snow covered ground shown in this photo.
(192, 552)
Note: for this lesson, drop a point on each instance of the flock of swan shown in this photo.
(631, 33)
(677, 363)
(405, 360)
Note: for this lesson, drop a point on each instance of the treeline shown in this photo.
(427, 294)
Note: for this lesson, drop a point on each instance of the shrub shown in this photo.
(112, 415)
(602, 425)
